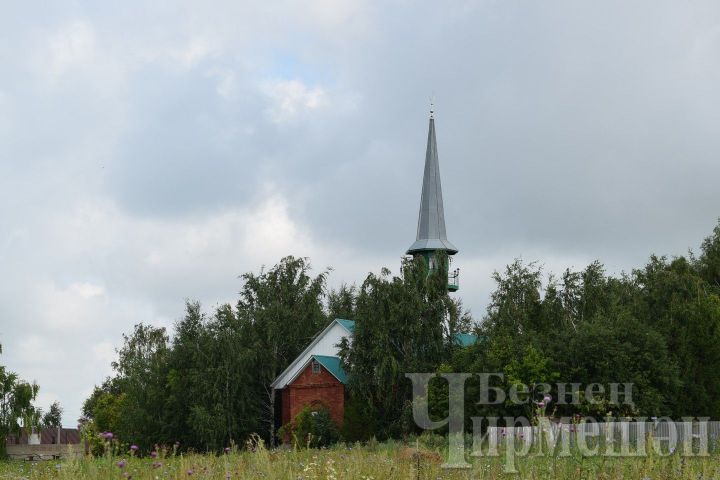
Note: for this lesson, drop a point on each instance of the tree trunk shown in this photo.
(272, 417)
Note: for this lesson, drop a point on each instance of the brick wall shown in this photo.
(314, 389)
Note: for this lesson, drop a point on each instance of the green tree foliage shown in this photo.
(53, 417)
(283, 310)
(16, 397)
(402, 324)
(210, 384)
(658, 328)
(310, 428)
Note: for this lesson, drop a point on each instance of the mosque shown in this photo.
(316, 377)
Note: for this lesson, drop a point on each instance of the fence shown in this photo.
(45, 451)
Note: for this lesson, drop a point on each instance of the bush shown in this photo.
(310, 428)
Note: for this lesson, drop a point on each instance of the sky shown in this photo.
(151, 152)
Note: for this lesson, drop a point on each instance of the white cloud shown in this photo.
(290, 99)
(104, 353)
(70, 47)
(87, 290)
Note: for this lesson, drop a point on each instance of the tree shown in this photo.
(341, 302)
(709, 262)
(53, 417)
(402, 325)
(16, 397)
(281, 310)
(141, 373)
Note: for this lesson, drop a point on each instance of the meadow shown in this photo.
(377, 462)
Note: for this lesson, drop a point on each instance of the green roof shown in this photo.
(348, 324)
(465, 339)
(332, 365)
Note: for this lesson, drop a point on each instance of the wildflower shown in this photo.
(107, 435)
(547, 399)
(227, 449)
(153, 454)
(190, 472)
(121, 464)
(134, 448)
(540, 404)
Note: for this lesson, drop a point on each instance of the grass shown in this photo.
(384, 461)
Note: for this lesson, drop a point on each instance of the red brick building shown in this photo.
(315, 378)
(320, 385)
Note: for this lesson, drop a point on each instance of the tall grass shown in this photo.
(375, 461)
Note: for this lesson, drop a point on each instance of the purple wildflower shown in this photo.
(541, 404)
(227, 449)
(134, 448)
(121, 464)
(547, 399)
(190, 472)
(107, 435)
(153, 454)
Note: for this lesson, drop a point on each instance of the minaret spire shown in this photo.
(431, 234)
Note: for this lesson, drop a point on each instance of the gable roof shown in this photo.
(332, 365)
(282, 379)
(348, 324)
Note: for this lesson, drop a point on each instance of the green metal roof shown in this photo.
(332, 365)
(465, 339)
(348, 324)
(462, 339)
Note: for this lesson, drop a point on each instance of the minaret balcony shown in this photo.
(454, 280)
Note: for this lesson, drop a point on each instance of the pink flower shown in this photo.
(153, 454)
(227, 449)
(134, 448)
(121, 464)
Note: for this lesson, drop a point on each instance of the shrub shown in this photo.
(310, 428)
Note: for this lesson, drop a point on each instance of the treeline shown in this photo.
(17, 409)
(208, 384)
(657, 327)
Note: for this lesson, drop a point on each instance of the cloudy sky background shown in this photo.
(153, 151)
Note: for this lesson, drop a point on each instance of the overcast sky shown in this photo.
(151, 152)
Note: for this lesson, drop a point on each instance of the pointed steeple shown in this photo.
(431, 234)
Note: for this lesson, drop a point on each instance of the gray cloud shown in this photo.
(150, 154)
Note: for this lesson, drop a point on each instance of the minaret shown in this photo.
(431, 236)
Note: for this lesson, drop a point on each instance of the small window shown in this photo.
(315, 366)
